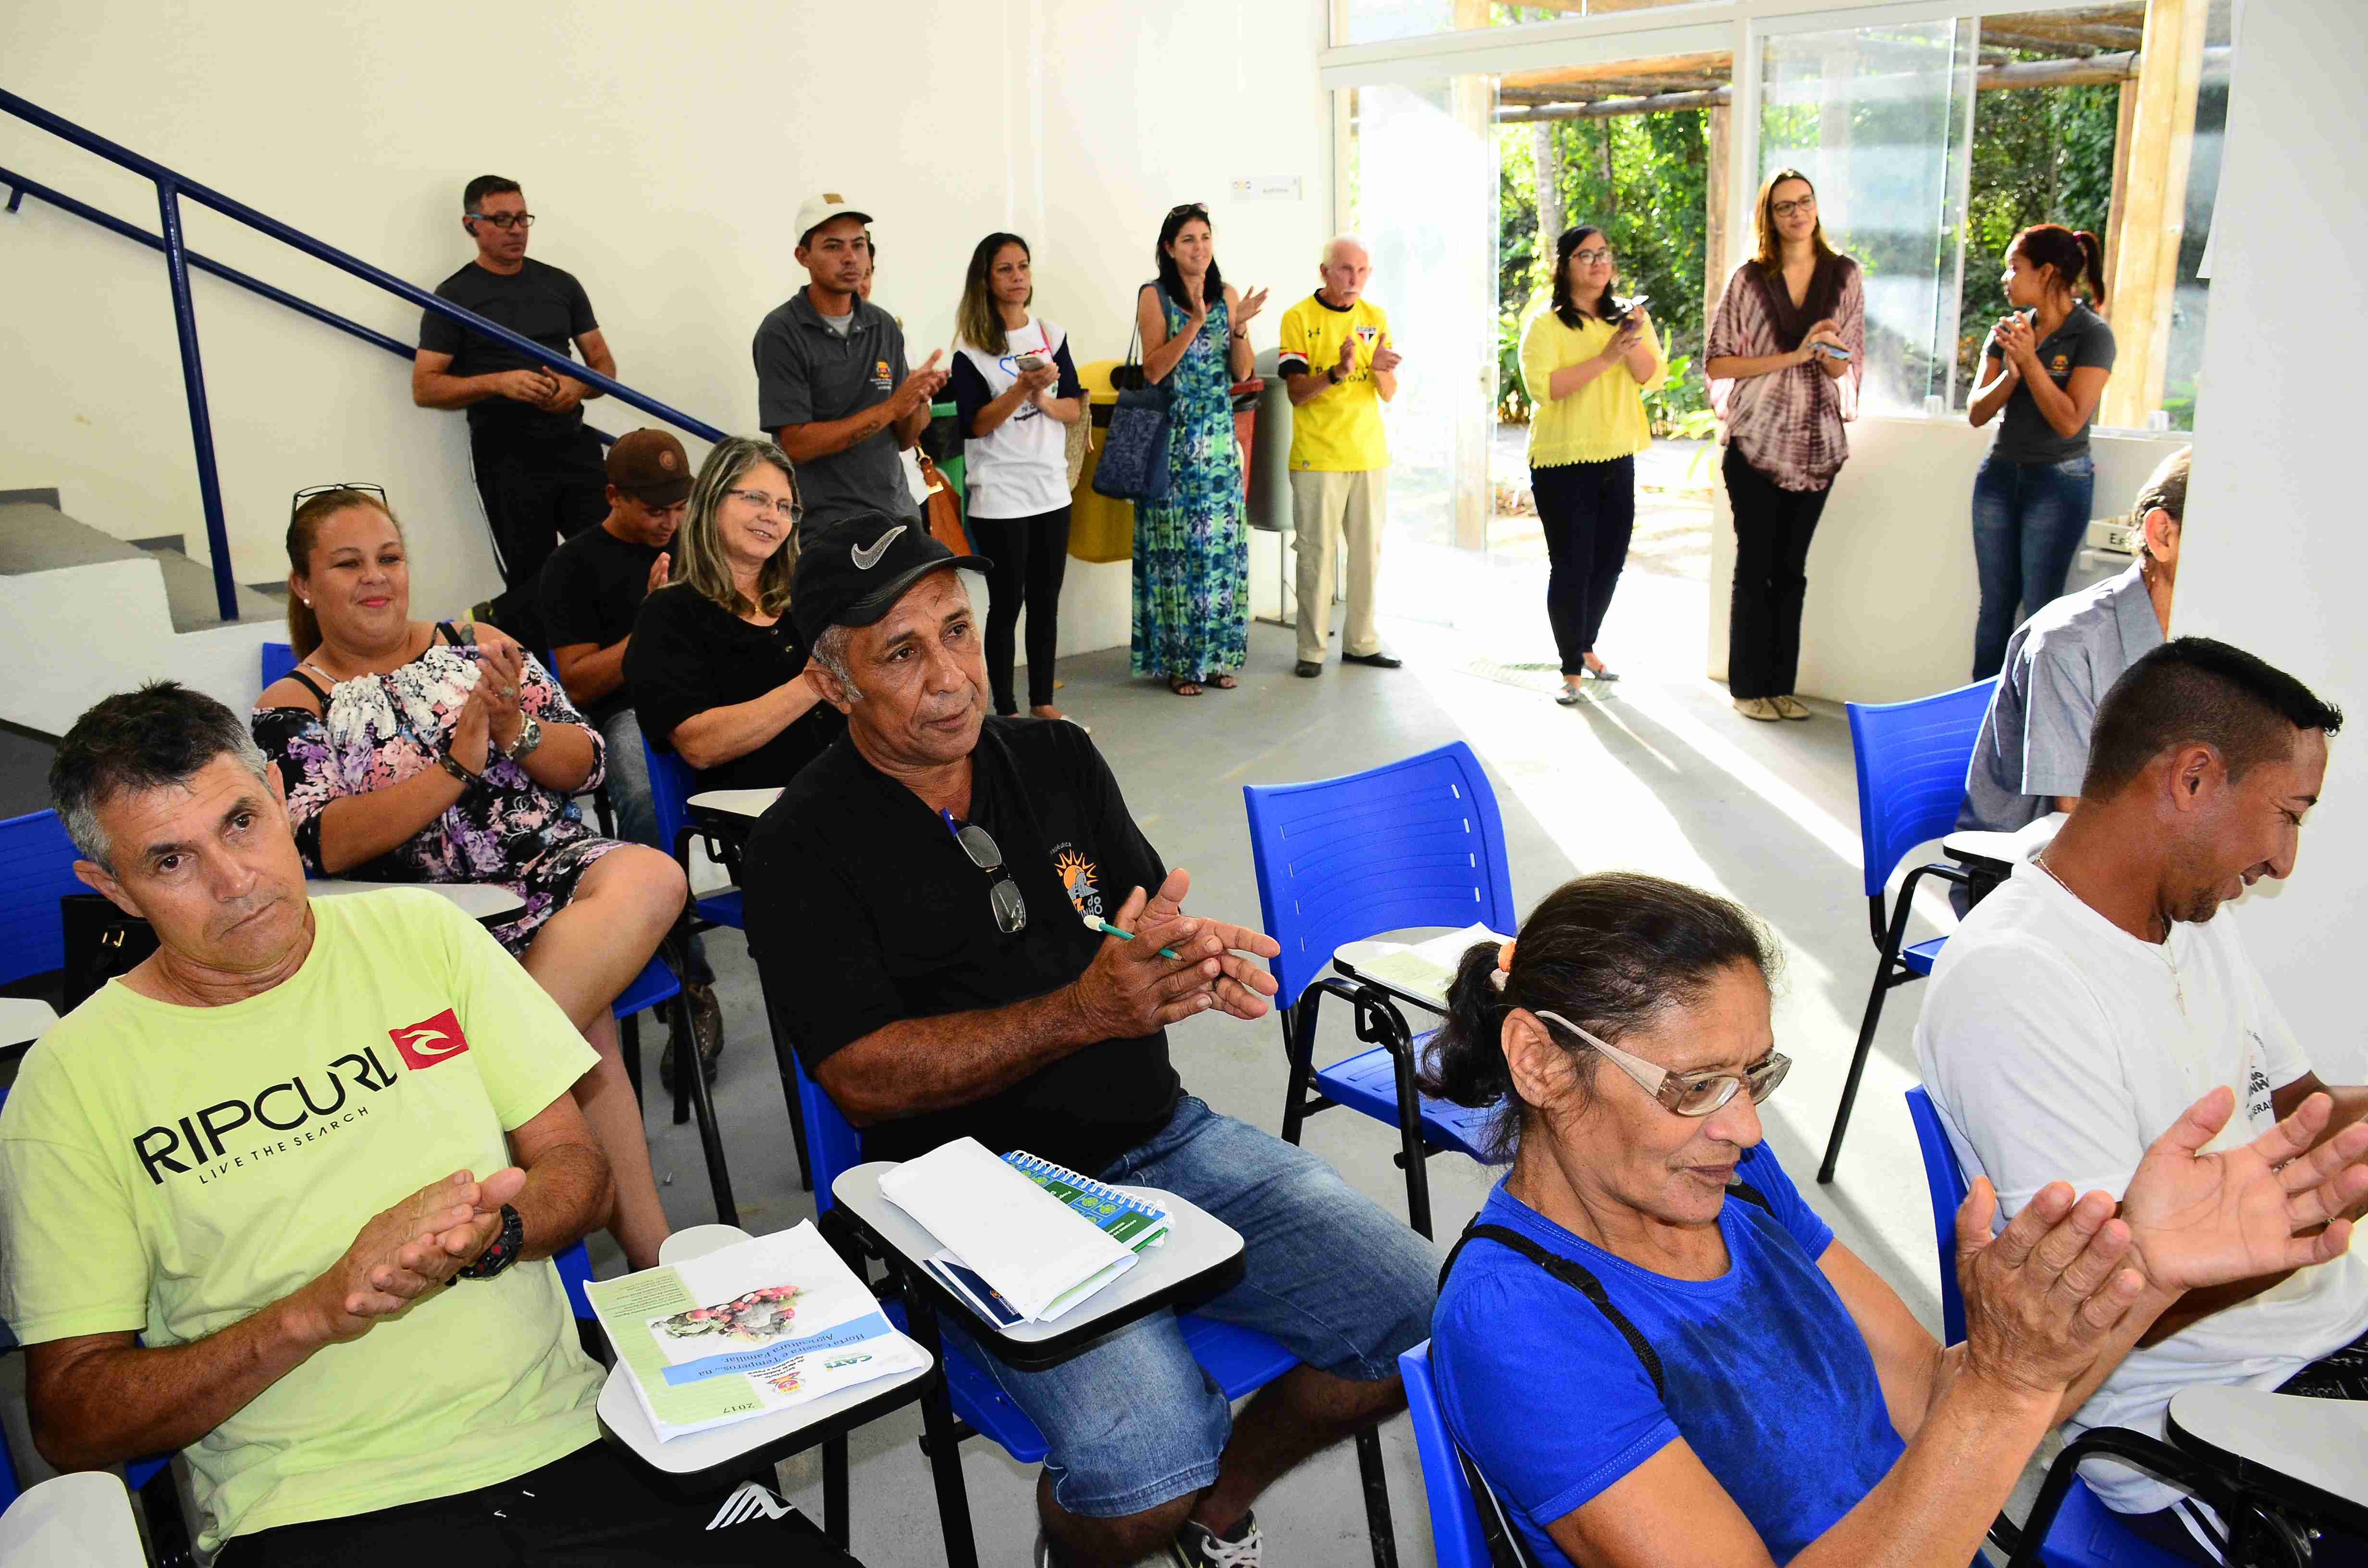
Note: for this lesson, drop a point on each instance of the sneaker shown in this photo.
(1790, 707)
(1197, 1546)
(1758, 708)
(1571, 696)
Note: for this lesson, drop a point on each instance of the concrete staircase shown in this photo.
(85, 613)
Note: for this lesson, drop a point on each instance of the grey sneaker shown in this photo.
(1197, 1546)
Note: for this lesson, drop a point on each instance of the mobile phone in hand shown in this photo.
(1829, 351)
(1029, 362)
(1628, 311)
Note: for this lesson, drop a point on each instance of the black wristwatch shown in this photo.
(1332, 374)
(502, 1252)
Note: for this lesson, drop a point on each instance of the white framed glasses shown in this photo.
(1690, 1095)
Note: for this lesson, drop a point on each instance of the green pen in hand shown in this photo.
(1107, 929)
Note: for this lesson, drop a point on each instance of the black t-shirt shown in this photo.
(689, 654)
(864, 911)
(591, 587)
(538, 302)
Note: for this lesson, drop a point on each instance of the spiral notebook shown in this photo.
(1036, 1252)
(1129, 1220)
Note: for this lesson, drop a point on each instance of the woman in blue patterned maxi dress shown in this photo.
(1191, 549)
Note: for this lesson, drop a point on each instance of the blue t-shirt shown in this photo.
(1766, 1377)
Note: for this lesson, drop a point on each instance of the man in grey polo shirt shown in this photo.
(2033, 747)
(832, 385)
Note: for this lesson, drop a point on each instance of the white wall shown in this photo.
(665, 153)
(2283, 578)
(1892, 587)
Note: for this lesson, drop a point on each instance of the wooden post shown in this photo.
(2153, 215)
(1718, 201)
(2125, 119)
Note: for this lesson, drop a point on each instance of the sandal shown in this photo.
(1184, 685)
(1222, 681)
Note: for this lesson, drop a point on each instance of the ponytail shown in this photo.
(1613, 951)
(2074, 255)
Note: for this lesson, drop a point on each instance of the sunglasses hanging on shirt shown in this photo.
(1003, 894)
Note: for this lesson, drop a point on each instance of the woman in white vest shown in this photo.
(1014, 391)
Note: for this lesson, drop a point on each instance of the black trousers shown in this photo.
(1589, 512)
(592, 1507)
(536, 494)
(1772, 529)
(1032, 557)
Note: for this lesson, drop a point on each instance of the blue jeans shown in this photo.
(2027, 522)
(1134, 1422)
(637, 814)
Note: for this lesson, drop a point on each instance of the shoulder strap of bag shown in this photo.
(1569, 1273)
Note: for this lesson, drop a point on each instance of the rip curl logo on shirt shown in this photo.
(430, 1040)
(292, 1114)
(1079, 878)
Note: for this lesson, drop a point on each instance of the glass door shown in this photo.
(1877, 118)
(1421, 190)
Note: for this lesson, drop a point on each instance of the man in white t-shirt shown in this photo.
(2090, 1001)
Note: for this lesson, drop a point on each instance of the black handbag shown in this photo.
(102, 942)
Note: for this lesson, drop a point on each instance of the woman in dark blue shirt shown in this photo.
(1746, 1390)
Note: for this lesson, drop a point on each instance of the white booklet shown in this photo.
(1026, 1245)
(763, 1324)
(1426, 968)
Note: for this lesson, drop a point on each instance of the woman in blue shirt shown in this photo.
(1745, 1386)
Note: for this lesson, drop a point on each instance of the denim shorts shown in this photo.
(1134, 1422)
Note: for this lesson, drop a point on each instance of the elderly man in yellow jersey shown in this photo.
(1340, 368)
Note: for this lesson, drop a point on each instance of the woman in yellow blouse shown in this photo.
(1587, 365)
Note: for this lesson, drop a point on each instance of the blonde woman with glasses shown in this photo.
(717, 674)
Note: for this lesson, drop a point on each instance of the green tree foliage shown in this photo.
(1651, 206)
(2041, 155)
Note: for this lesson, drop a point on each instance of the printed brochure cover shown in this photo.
(766, 1323)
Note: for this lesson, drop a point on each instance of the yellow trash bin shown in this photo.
(1099, 527)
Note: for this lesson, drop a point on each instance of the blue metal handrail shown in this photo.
(171, 188)
(19, 186)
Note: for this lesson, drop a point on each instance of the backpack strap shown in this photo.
(1749, 1194)
(1569, 1273)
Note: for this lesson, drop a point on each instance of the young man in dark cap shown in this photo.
(592, 587)
(538, 469)
(919, 888)
(832, 385)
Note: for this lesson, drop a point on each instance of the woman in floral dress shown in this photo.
(1192, 547)
(414, 752)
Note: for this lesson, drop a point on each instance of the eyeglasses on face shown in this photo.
(1798, 204)
(1003, 894)
(1687, 1095)
(505, 220)
(787, 510)
(365, 486)
(1589, 257)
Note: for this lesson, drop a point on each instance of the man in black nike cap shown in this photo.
(931, 891)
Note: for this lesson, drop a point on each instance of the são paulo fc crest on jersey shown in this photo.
(430, 1040)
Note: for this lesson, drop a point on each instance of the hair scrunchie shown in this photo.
(1504, 965)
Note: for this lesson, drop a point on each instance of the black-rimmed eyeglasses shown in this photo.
(366, 487)
(1010, 909)
(505, 220)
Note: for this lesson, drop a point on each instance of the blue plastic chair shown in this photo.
(656, 986)
(1911, 758)
(1239, 1360)
(2080, 1532)
(1410, 844)
(36, 869)
(279, 658)
(1455, 1530)
(670, 792)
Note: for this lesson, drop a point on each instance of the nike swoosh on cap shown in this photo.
(867, 558)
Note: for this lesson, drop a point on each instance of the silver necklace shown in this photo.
(2161, 948)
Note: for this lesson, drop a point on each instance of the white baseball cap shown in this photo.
(816, 210)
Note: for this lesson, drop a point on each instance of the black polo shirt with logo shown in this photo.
(808, 374)
(864, 911)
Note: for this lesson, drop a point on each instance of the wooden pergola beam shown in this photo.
(2154, 216)
(2102, 70)
(1719, 64)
